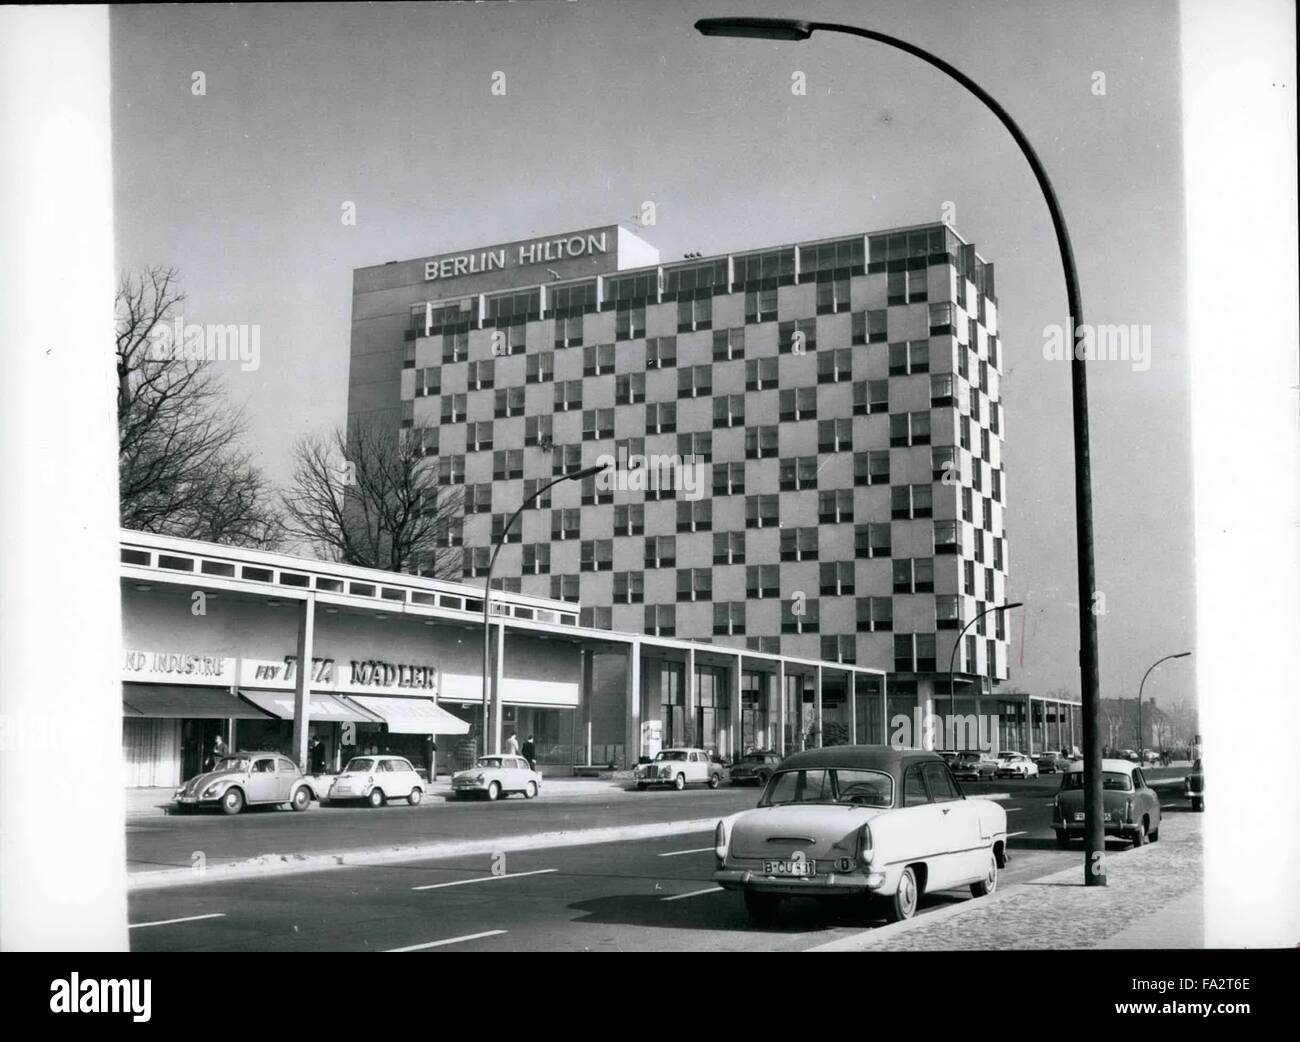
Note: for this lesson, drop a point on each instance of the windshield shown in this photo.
(360, 764)
(1110, 780)
(754, 758)
(843, 785)
(489, 761)
(231, 763)
(670, 754)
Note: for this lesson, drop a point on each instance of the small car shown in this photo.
(496, 776)
(247, 779)
(378, 779)
(754, 768)
(678, 768)
(1051, 763)
(1130, 806)
(1194, 786)
(1015, 765)
(974, 766)
(854, 821)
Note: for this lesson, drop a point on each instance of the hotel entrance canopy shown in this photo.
(412, 715)
(186, 702)
(327, 708)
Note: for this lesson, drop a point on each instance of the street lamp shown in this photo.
(952, 658)
(1181, 654)
(791, 29)
(586, 472)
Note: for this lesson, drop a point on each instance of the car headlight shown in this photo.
(864, 845)
(211, 790)
(478, 777)
(720, 842)
(1128, 810)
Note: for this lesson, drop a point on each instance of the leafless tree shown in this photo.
(370, 495)
(181, 470)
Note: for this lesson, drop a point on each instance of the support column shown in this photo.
(498, 684)
(632, 701)
(302, 681)
(692, 701)
(585, 696)
(817, 707)
(780, 707)
(884, 710)
(853, 706)
(733, 697)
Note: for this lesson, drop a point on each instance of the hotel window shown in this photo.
(567, 459)
(694, 584)
(947, 612)
(695, 447)
(762, 580)
(908, 287)
(979, 546)
(453, 408)
(540, 368)
(728, 547)
(926, 646)
(835, 435)
(509, 402)
(695, 381)
(963, 362)
(597, 424)
(728, 344)
(729, 479)
(660, 551)
(911, 501)
(595, 495)
(761, 442)
(481, 375)
(762, 511)
(909, 356)
(969, 663)
(944, 466)
(629, 587)
(514, 309)
(455, 347)
(1000, 625)
(943, 319)
(596, 618)
(568, 332)
(835, 366)
(798, 403)
(800, 615)
(993, 347)
(943, 390)
(984, 445)
(996, 486)
(871, 540)
(537, 558)
(478, 436)
(537, 431)
(598, 360)
(661, 352)
(963, 424)
(836, 578)
(507, 464)
(661, 620)
(729, 410)
(909, 429)
(661, 418)
(974, 404)
(968, 578)
(696, 516)
(875, 614)
(566, 524)
(761, 374)
(478, 498)
(475, 560)
(760, 305)
(428, 381)
(977, 474)
(626, 448)
(997, 554)
(871, 468)
(990, 585)
(449, 531)
(991, 651)
(629, 389)
(531, 499)
(564, 587)
(965, 504)
(694, 315)
(510, 340)
(843, 648)
(984, 377)
(995, 422)
(877, 327)
(729, 619)
(798, 473)
(835, 507)
(451, 470)
(858, 328)
(568, 395)
(832, 296)
(434, 320)
(629, 323)
(629, 519)
(799, 544)
(768, 270)
(797, 337)
(947, 537)
(832, 259)
(597, 555)
(914, 575)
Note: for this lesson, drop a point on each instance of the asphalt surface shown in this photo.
(644, 894)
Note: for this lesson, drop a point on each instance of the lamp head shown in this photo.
(755, 28)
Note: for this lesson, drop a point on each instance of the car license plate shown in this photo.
(790, 868)
(1078, 815)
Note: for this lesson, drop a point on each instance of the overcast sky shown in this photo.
(611, 104)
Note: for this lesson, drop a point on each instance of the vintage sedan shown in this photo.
(1015, 765)
(754, 768)
(973, 766)
(247, 779)
(496, 776)
(854, 821)
(1194, 786)
(1051, 763)
(679, 768)
(1130, 806)
(378, 779)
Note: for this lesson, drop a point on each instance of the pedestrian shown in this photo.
(512, 744)
(218, 752)
(433, 758)
(530, 753)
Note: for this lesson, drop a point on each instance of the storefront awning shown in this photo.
(412, 715)
(182, 701)
(324, 708)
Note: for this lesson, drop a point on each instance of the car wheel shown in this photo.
(1155, 834)
(1198, 804)
(903, 904)
(415, 797)
(679, 782)
(762, 908)
(989, 883)
(1062, 838)
(714, 781)
(1140, 837)
(531, 790)
(301, 798)
(232, 802)
(640, 786)
(494, 790)
(376, 797)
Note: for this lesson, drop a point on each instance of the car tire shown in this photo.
(902, 905)
(714, 781)
(679, 783)
(640, 786)
(1062, 839)
(301, 798)
(1140, 836)
(762, 908)
(494, 790)
(1198, 804)
(989, 883)
(416, 795)
(530, 791)
(1155, 835)
(232, 802)
(376, 797)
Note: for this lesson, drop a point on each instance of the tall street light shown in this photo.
(1181, 654)
(586, 472)
(952, 658)
(790, 29)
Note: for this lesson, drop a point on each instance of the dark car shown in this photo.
(1194, 786)
(973, 766)
(754, 768)
(1130, 807)
(1052, 763)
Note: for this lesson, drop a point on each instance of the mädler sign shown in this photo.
(373, 676)
(518, 255)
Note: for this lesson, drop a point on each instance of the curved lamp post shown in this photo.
(1181, 654)
(791, 29)
(586, 472)
(952, 658)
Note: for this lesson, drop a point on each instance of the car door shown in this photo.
(286, 774)
(262, 780)
(917, 834)
(409, 778)
(1148, 798)
(958, 822)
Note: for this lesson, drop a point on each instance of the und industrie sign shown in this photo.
(540, 251)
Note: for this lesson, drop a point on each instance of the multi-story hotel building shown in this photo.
(843, 397)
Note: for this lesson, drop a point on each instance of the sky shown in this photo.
(390, 108)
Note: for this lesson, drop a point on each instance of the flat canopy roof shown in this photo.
(185, 701)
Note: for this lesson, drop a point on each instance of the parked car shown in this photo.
(1051, 763)
(973, 766)
(247, 779)
(1129, 754)
(497, 776)
(885, 825)
(1015, 765)
(378, 779)
(754, 768)
(679, 768)
(1130, 806)
(1194, 786)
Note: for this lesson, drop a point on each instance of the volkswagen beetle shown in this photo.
(247, 779)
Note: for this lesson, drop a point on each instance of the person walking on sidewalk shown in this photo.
(512, 744)
(530, 753)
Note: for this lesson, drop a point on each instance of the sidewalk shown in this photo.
(1153, 899)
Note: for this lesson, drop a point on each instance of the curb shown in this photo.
(268, 865)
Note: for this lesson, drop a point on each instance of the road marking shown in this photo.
(697, 850)
(486, 879)
(693, 893)
(1013, 810)
(186, 919)
(449, 940)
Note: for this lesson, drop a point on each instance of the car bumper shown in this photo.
(197, 801)
(470, 786)
(829, 884)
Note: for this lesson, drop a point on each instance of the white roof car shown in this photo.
(498, 774)
(679, 767)
(377, 779)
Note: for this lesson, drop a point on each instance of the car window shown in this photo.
(798, 787)
(264, 766)
(865, 788)
(359, 763)
(402, 765)
(1139, 779)
(914, 792)
(287, 767)
(942, 788)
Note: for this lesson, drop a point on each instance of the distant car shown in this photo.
(865, 822)
(1129, 754)
(679, 768)
(1015, 765)
(1051, 763)
(754, 768)
(377, 779)
(973, 766)
(497, 776)
(1150, 756)
(1194, 786)
(1130, 806)
(244, 780)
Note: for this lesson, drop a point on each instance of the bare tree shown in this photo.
(370, 495)
(181, 471)
(1182, 721)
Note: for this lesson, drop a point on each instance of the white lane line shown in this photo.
(486, 879)
(186, 919)
(693, 893)
(449, 940)
(697, 850)
(1013, 810)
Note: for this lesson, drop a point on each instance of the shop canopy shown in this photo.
(182, 701)
(324, 708)
(412, 715)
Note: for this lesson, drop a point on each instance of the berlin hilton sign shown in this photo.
(540, 252)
